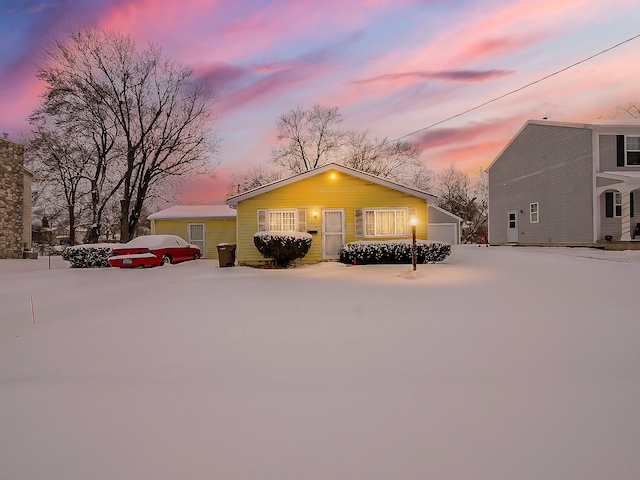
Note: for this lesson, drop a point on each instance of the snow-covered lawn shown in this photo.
(500, 363)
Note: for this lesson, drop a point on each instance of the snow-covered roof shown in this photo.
(194, 211)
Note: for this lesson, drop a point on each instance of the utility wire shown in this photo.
(514, 91)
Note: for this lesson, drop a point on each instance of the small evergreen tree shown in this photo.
(282, 247)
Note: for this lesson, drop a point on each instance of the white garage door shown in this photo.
(443, 232)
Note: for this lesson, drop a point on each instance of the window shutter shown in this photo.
(302, 220)
(620, 150)
(608, 201)
(631, 206)
(358, 223)
(262, 220)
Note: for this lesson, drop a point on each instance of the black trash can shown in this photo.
(226, 254)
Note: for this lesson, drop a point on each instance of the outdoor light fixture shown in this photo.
(315, 214)
(413, 222)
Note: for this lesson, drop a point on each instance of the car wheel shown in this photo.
(196, 256)
(166, 259)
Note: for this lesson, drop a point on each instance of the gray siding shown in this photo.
(608, 155)
(551, 165)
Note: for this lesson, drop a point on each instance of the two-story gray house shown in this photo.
(567, 184)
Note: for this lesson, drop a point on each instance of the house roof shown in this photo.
(194, 211)
(233, 201)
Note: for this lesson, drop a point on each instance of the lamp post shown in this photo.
(413, 222)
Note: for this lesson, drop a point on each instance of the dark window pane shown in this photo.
(609, 204)
(620, 150)
(633, 158)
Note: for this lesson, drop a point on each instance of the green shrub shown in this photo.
(282, 247)
(399, 251)
(89, 256)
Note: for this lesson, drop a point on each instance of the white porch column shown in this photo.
(626, 217)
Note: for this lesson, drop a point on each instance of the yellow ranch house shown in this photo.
(336, 205)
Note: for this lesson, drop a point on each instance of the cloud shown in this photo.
(223, 76)
(242, 86)
(444, 75)
(263, 88)
(438, 137)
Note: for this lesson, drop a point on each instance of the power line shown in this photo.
(516, 90)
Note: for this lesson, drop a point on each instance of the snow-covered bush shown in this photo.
(282, 247)
(90, 255)
(398, 251)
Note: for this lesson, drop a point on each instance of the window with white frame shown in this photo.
(633, 150)
(617, 201)
(282, 220)
(385, 222)
(534, 212)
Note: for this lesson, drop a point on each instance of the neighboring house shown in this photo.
(336, 205)
(15, 200)
(444, 226)
(567, 184)
(205, 226)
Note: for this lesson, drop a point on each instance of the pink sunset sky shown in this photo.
(392, 67)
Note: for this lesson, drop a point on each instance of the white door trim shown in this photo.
(196, 242)
(512, 226)
(330, 255)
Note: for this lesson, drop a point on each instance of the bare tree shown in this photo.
(458, 194)
(145, 110)
(252, 177)
(62, 163)
(479, 221)
(395, 160)
(311, 138)
(627, 110)
(419, 176)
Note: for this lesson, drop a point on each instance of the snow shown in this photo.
(95, 245)
(154, 241)
(195, 211)
(499, 363)
(274, 233)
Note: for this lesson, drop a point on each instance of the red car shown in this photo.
(153, 250)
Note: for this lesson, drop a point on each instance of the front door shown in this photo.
(332, 233)
(196, 236)
(512, 227)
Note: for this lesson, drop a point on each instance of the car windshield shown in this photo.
(156, 241)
